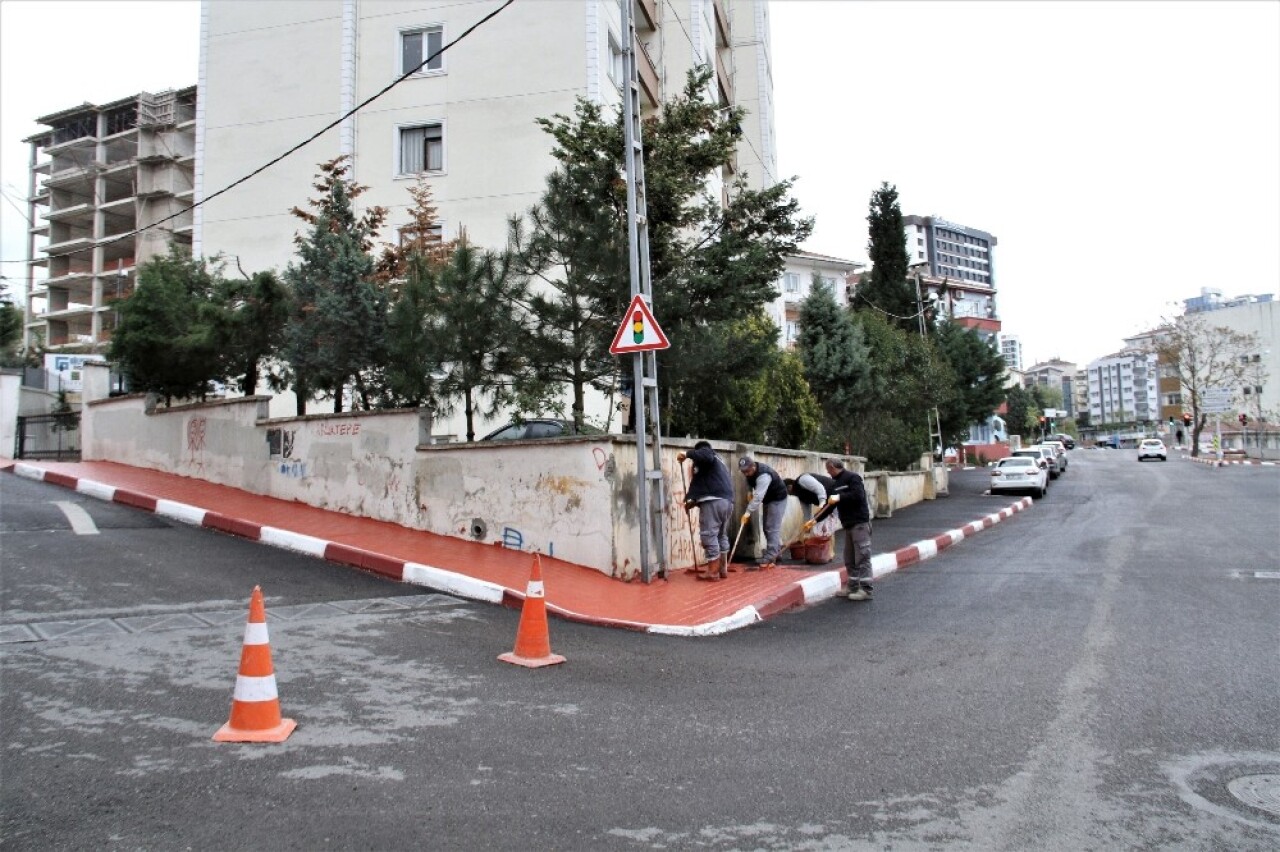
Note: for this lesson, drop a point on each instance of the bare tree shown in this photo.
(1203, 357)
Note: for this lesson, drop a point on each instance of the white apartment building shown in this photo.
(797, 284)
(97, 175)
(1123, 388)
(1011, 350)
(1259, 394)
(272, 74)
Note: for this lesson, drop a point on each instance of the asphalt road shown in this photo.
(1097, 672)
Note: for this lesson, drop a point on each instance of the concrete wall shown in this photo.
(10, 392)
(572, 498)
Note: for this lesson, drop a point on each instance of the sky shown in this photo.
(1124, 154)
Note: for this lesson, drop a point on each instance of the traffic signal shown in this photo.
(1244, 419)
(1041, 421)
(1186, 419)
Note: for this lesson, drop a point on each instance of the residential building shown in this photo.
(1057, 374)
(1210, 299)
(797, 283)
(1259, 316)
(272, 74)
(1168, 384)
(1123, 388)
(98, 176)
(956, 252)
(1011, 349)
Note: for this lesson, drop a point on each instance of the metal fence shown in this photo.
(48, 436)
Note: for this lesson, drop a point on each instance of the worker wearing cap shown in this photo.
(768, 493)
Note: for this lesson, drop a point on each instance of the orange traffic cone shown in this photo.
(255, 708)
(533, 644)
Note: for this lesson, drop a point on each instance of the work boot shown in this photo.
(724, 566)
(859, 594)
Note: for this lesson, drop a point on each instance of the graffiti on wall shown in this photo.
(337, 430)
(682, 530)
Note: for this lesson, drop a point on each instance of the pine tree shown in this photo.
(836, 360)
(337, 323)
(978, 386)
(885, 289)
(247, 318)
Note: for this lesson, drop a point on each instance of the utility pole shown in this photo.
(931, 414)
(650, 485)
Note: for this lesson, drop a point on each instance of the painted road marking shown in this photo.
(79, 519)
(1267, 575)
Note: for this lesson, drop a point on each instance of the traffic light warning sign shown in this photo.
(639, 331)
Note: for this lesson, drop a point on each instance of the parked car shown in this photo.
(1152, 448)
(1043, 455)
(539, 427)
(1020, 474)
(1060, 451)
(1067, 441)
(1049, 455)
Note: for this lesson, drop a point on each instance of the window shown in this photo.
(417, 45)
(791, 282)
(617, 70)
(421, 149)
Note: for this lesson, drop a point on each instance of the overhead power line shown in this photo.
(313, 137)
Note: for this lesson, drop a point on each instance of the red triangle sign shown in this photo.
(639, 331)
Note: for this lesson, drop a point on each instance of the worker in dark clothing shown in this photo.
(711, 490)
(769, 494)
(848, 499)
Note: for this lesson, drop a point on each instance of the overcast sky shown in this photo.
(1123, 154)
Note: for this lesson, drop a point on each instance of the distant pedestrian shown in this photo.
(711, 490)
(769, 494)
(848, 499)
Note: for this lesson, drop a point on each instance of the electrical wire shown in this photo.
(313, 137)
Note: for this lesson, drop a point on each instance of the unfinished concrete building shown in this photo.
(98, 175)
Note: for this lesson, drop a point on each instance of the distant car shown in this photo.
(1020, 474)
(539, 427)
(1060, 451)
(1067, 441)
(1152, 448)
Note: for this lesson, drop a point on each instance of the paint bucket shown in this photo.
(818, 550)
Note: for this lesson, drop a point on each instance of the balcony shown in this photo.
(724, 82)
(648, 17)
(648, 74)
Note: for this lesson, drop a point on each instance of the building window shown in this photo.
(617, 70)
(421, 149)
(417, 45)
(791, 282)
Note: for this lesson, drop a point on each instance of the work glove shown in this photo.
(688, 504)
(746, 516)
(808, 525)
(833, 499)
(680, 457)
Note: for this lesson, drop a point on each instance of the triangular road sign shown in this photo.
(639, 331)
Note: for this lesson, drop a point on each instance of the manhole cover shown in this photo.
(1258, 791)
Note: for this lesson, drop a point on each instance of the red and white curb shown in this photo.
(1225, 462)
(810, 590)
(438, 579)
(827, 584)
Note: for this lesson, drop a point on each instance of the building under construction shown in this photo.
(99, 176)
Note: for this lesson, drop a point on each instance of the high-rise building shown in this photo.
(99, 174)
(1123, 388)
(1057, 374)
(1011, 350)
(952, 251)
(273, 74)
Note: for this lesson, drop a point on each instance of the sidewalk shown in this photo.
(679, 605)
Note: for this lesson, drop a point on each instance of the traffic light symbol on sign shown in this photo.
(637, 327)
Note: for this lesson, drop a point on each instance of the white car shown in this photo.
(1152, 448)
(1020, 474)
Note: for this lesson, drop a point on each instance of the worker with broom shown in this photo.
(711, 490)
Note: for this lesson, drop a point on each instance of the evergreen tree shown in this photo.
(1019, 408)
(711, 264)
(978, 387)
(885, 289)
(798, 413)
(161, 343)
(836, 360)
(337, 323)
(247, 319)
(10, 331)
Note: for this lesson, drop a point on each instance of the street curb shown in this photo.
(1225, 462)
(809, 590)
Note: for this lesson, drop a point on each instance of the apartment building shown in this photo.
(273, 74)
(1011, 350)
(1259, 316)
(1058, 374)
(1123, 388)
(99, 175)
(952, 251)
(797, 283)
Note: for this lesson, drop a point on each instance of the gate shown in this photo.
(48, 436)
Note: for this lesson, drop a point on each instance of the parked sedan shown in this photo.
(1046, 453)
(1152, 448)
(539, 427)
(1060, 450)
(1020, 474)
